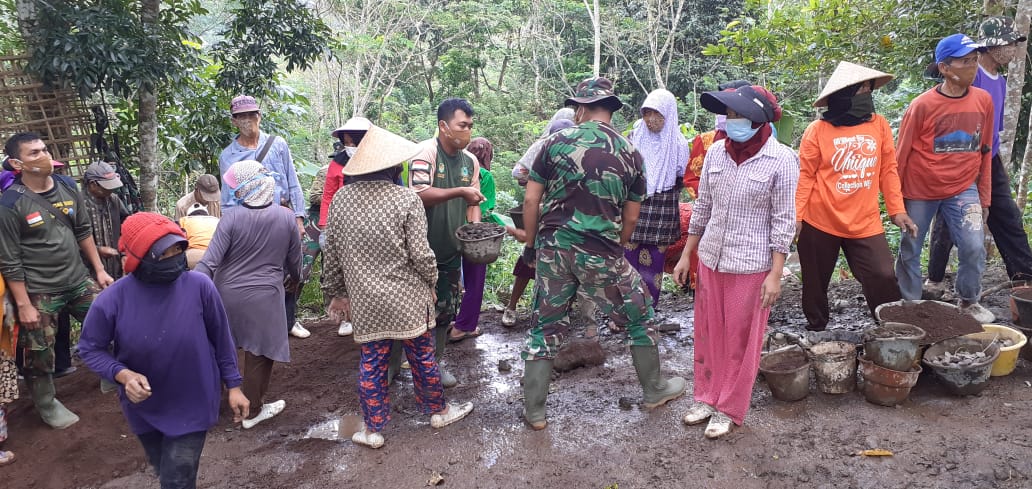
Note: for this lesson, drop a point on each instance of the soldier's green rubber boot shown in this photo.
(394, 362)
(440, 340)
(536, 375)
(657, 390)
(50, 409)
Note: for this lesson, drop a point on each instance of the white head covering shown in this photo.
(251, 183)
(665, 153)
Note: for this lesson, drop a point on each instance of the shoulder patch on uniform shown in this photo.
(419, 173)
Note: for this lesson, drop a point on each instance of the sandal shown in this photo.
(463, 335)
(6, 457)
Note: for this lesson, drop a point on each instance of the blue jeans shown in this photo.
(174, 458)
(962, 214)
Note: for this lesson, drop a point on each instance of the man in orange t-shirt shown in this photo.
(846, 159)
(945, 149)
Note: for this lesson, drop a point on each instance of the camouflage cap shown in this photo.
(999, 31)
(595, 90)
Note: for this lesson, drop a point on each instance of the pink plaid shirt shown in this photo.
(745, 212)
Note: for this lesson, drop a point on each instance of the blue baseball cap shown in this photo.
(955, 46)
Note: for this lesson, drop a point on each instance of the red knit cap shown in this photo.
(139, 232)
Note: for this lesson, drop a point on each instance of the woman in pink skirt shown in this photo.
(742, 243)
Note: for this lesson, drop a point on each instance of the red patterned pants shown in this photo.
(372, 378)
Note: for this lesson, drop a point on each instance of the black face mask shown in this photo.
(862, 106)
(161, 271)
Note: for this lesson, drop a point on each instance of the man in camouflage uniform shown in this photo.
(589, 182)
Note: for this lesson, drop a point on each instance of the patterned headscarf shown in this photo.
(666, 153)
(483, 150)
(251, 183)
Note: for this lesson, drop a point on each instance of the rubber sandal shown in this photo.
(464, 336)
(372, 440)
(6, 457)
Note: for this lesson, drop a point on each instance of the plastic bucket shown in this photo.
(481, 250)
(834, 365)
(787, 373)
(895, 346)
(1021, 307)
(1008, 358)
(884, 386)
(963, 380)
(516, 213)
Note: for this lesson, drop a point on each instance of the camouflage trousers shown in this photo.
(609, 282)
(38, 344)
(449, 290)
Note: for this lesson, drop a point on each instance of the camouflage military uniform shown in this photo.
(589, 172)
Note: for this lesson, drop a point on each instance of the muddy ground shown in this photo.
(591, 442)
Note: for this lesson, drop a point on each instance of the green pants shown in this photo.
(37, 344)
(609, 282)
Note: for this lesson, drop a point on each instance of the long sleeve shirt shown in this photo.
(745, 212)
(842, 170)
(945, 144)
(334, 181)
(278, 160)
(177, 335)
(35, 247)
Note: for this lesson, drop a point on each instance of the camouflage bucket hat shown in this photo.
(595, 90)
(999, 31)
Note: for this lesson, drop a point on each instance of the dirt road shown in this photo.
(591, 442)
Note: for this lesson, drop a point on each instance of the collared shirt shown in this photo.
(278, 160)
(745, 212)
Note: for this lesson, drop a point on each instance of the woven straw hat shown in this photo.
(847, 74)
(380, 149)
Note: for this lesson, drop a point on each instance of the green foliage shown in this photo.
(101, 45)
(789, 46)
(261, 32)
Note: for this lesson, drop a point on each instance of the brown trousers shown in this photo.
(257, 373)
(869, 259)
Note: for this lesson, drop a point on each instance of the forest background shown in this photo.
(164, 71)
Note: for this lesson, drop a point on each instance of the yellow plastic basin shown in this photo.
(1008, 358)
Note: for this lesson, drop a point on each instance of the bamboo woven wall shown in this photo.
(59, 116)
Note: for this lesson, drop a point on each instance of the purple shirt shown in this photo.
(177, 335)
(996, 85)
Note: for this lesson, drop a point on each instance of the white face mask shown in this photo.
(350, 150)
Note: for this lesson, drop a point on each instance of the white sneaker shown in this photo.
(372, 440)
(345, 329)
(719, 425)
(509, 318)
(698, 413)
(268, 411)
(455, 413)
(980, 313)
(299, 331)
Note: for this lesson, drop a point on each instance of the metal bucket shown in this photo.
(787, 373)
(895, 346)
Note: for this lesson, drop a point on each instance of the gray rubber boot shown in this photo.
(657, 390)
(536, 376)
(440, 340)
(50, 409)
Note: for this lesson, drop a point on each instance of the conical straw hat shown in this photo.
(847, 74)
(380, 149)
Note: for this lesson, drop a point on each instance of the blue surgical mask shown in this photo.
(740, 130)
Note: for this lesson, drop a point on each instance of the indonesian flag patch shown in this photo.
(34, 218)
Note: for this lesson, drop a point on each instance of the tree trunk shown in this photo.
(1015, 83)
(596, 23)
(27, 22)
(149, 120)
